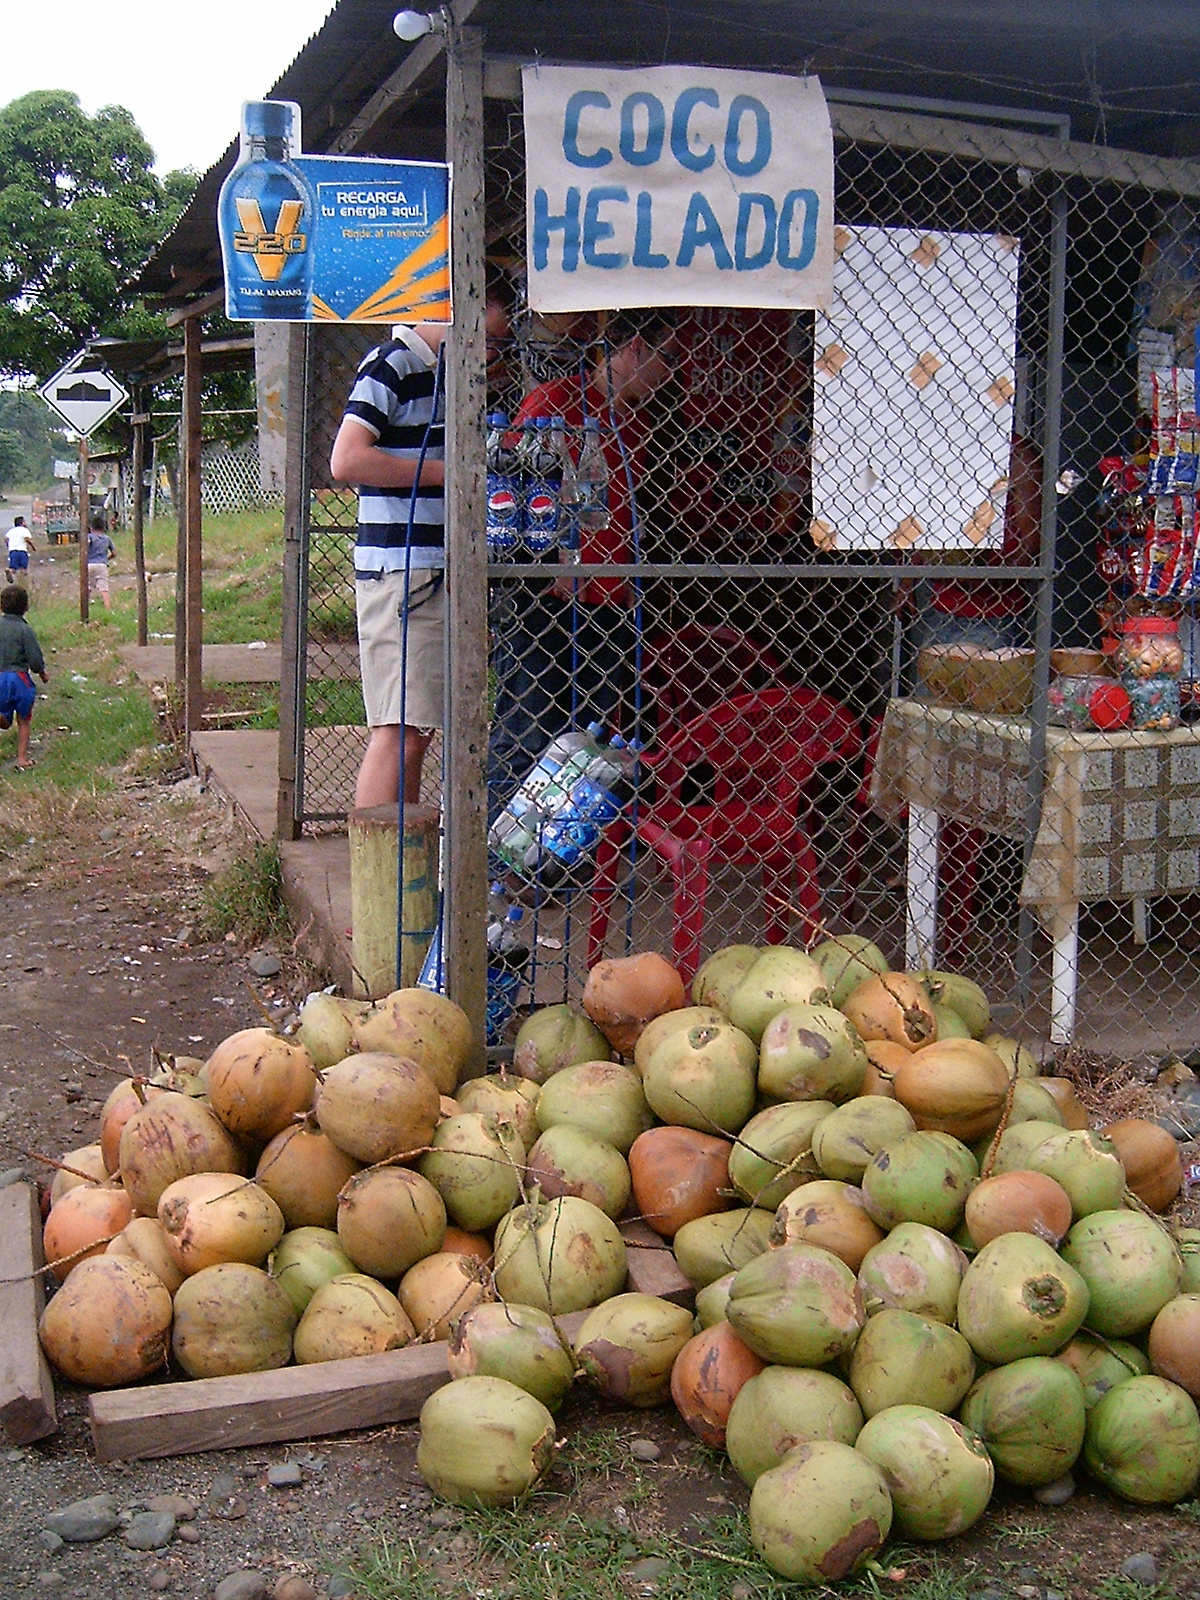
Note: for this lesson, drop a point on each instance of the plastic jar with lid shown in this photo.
(1150, 660)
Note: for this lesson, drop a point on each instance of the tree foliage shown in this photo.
(30, 438)
(80, 210)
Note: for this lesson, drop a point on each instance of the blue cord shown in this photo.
(408, 540)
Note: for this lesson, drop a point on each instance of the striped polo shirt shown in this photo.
(392, 396)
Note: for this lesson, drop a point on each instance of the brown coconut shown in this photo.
(1071, 1107)
(678, 1174)
(622, 995)
(378, 1105)
(1018, 1202)
(893, 1006)
(1150, 1156)
(304, 1171)
(829, 1214)
(707, 1377)
(884, 1060)
(955, 1086)
(257, 1082)
(1174, 1343)
(437, 1290)
(421, 1026)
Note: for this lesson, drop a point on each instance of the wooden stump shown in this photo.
(377, 865)
(26, 1387)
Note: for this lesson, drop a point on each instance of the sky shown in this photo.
(183, 72)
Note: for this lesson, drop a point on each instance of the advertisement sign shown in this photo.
(676, 186)
(330, 238)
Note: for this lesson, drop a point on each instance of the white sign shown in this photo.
(83, 399)
(676, 186)
(914, 382)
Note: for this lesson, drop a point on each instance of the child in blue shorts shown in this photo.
(20, 657)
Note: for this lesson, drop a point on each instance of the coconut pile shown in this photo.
(917, 1268)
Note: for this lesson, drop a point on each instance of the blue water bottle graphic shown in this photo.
(266, 214)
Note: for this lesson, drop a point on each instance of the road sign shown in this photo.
(83, 399)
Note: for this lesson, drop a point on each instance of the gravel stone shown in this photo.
(339, 1587)
(160, 1580)
(1056, 1493)
(181, 1509)
(50, 1579)
(646, 1570)
(644, 1450)
(150, 1530)
(443, 1517)
(263, 964)
(85, 1521)
(293, 1587)
(285, 1475)
(224, 1485)
(188, 1533)
(1141, 1568)
(50, 1542)
(243, 1585)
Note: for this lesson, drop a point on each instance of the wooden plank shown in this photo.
(169, 1419)
(193, 570)
(652, 1265)
(26, 1387)
(466, 876)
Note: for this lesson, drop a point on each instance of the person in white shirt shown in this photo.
(20, 543)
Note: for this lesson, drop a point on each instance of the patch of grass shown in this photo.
(245, 898)
(1117, 1587)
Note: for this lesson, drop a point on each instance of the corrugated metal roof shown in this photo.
(1128, 76)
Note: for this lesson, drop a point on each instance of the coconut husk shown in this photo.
(1109, 1092)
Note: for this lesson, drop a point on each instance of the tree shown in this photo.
(34, 439)
(80, 210)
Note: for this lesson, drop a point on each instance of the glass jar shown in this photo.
(1150, 660)
(1070, 698)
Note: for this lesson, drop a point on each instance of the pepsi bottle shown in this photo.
(543, 492)
(503, 492)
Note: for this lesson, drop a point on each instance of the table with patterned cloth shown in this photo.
(1120, 817)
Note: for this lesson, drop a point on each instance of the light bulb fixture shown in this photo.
(413, 25)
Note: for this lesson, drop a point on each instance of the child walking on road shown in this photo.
(20, 657)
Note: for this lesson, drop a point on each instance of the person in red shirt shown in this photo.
(565, 658)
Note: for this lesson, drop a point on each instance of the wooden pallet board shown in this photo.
(26, 1386)
(169, 1419)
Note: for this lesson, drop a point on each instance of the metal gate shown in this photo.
(765, 614)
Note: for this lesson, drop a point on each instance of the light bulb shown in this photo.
(411, 25)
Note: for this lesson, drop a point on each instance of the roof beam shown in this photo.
(406, 84)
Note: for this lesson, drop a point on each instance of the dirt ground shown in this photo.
(100, 964)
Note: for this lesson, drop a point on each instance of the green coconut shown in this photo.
(507, 1097)
(1143, 1441)
(1031, 1415)
(1086, 1164)
(484, 1441)
(811, 1052)
(519, 1343)
(965, 998)
(712, 1300)
(627, 1347)
(846, 961)
(702, 1077)
(1018, 1058)
(1101, 1364)
(566, 1160)
(821, 1514)
(920, 1177)
(845, 1140)
(779, 976)
(1032, 1103)
(558, 1255)
(773, 1154)
(1019, 1298)
(1131, 1267)
(1015, 1144)
(781, 1407)
(938, 1473)
(721, 974)
(602, 1098)
(796, 1305)
(475, 1165)
(902, 1359)
(556, 1037)
(306, 1258)
(351, 1315)
(949, 1024)
(1188, 1240)
(709, 1247)
(916, 1268)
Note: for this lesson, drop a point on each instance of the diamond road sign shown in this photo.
(83, 399)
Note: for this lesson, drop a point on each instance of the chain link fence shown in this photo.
(839, 551)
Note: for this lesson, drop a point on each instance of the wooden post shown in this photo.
(194, 568)
(139, 420)
(293, 635)
(26, 1387)
(85, 523)
(466, 550)
(378, 860)
(180, 562)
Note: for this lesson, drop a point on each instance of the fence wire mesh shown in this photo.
(838, 553)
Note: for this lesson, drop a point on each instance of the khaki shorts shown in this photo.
(97, 577)
(381, 645)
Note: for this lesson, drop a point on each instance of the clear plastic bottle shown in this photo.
(596, 799)
(266, 213)
(592, 514)
(541, 792)
(508, 958)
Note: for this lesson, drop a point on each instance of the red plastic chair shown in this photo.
(757, 756)
(958, 861)
(691, 669)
